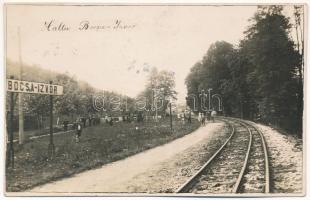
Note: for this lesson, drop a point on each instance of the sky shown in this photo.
(173, 38)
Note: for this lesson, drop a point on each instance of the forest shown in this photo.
(77, 100)
(261, 78)
(79, 97)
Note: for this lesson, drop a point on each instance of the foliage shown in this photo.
(260, 79)
(77, 100)
(160, 87)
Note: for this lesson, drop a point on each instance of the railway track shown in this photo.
(239, 166)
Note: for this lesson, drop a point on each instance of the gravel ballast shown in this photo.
(286, 161)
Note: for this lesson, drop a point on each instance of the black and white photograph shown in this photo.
(154, 99)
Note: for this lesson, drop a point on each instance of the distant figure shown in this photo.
(78, 132)
(183, 117)
(203, 119)
(213, 115)
(129, 118)
(84, 121)
(90, 121)
(106, 118)
(208, 115)
(139, 117)
(111, 121)
(189, 119)
(199, 117)
(66, 122)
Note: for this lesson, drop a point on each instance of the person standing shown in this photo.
(84, 121)
(208, 115)
(183, 118)
(110, 120)
(78, 132)
(203, 119)
(213, 114)
(189, 119)
(90, 120)
(199, 117)
(65, 122)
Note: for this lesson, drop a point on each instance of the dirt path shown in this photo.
(114, 177)
(45, 135)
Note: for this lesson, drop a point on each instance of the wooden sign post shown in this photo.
(10, 147)
(51, 146)
(18, 86)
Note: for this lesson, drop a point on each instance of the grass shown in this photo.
(99, 145)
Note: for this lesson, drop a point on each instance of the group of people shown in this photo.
(81, 123)
(185, 117)
(202, 117)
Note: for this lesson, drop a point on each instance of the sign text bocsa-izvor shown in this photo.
(33, 87)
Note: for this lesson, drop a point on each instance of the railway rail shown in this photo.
(240, 165)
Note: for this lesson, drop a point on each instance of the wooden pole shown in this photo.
(21, 135)
(51, 147)
(10, 154)
(170, 116)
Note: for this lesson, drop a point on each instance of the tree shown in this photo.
(212, 72)
(77, 99)
(159, 89)
(192, 82)
(298, 18)
(68, 103)
(261, 78)
(273, 58)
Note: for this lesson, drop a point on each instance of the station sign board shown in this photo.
(33, 87)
